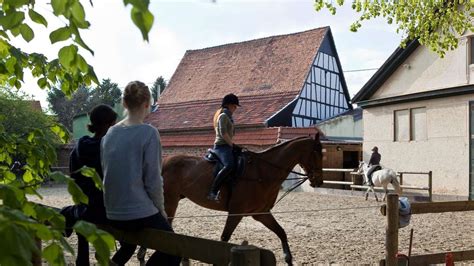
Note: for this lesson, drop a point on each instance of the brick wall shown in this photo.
(63, 153)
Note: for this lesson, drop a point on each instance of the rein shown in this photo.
(299, 183)
(286, 170)
(296, 185)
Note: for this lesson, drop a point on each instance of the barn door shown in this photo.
(471, 151)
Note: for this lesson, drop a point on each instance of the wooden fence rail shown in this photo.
(353, 185)
(204, 250)
(391, 239)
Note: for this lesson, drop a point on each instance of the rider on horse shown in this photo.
(374, 164)
(223, 145)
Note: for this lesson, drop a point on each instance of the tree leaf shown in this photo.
(81, 63)
(140, 4)
(16, 3)
(143, 20)
(60, 34)
(42, 83)
(66, 246)
(77, 195)
(67, 55)
(11, 20)
(37, 17)
(103, 242)
(43, 232)
(17, 245)
(27, 176)
(26, 32)
(59, 177)
(81, 42)
(78, 11)
(54, 254)
(59, 6)
(90, 172)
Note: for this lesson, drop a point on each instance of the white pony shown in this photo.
(380, 178)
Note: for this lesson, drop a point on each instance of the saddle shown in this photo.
(239, 162)
(369, 176)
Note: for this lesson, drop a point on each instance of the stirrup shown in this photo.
(213, 196)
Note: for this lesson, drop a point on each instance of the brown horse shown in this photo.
(254, 192)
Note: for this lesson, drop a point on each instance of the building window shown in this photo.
(410, 124)
(418, 123)
(402, 125)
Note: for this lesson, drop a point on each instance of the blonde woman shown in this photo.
(223, 144)
(133, 187)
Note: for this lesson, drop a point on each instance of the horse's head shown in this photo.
(313, 164)
(360, 169)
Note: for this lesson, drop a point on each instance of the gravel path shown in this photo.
(337, 230)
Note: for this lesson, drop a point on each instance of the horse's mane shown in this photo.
(279, 145)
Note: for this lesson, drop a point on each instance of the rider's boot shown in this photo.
(369, 182)
(221, 176)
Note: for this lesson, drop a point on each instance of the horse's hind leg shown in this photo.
(375, 194)
(269, 221)
(230, 225)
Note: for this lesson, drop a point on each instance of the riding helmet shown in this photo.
(230, 99)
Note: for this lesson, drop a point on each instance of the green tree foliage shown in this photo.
(107, 92)
(158, 87)
(437, 24)
(31, 137)
(82, 100)
(21, 220)
(67, 107)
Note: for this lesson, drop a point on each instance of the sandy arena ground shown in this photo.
(354, 235)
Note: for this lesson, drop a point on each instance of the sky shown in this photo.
(121, 54)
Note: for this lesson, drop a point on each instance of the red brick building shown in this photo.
(285, 85)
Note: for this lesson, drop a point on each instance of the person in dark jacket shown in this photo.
(87, 153)
(374, 164)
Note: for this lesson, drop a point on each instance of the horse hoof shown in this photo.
(141, 254)
(185, 262)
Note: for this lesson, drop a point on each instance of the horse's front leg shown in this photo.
(230, 225)
(269, 221)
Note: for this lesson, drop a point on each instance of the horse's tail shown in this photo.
(395, 183)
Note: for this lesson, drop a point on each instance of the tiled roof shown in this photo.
(199, 114)
(251, 136)
(266, 74)
(272, 65)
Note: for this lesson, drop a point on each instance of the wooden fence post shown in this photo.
(401, 178)
(245, 256)
(430, 185)
(391, 235)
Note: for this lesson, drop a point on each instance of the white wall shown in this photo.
(424, 70)
(342, 126)
(445, 151)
